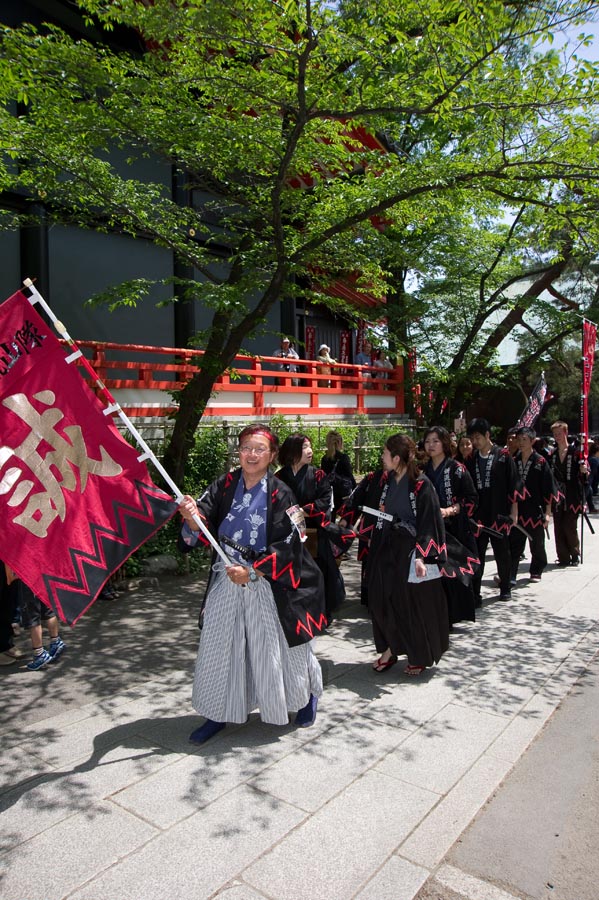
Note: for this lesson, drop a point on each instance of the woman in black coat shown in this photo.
(458, 499)
(338, 465)
(313, 492)
(400, 515)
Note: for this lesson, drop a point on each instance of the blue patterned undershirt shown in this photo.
(245, 523)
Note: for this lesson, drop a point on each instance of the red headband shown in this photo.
(265, 434)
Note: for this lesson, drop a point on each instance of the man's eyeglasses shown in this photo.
(257, 450)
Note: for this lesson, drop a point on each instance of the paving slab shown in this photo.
(398, 879)
(435, 836)
(239, 891)
(36, 805)
(444, 748)
(58, 860)
(405, 703)
(343, 845)
(194, 781)
(355, 747)
(201, 854)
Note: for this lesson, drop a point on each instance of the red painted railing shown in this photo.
(142, 379)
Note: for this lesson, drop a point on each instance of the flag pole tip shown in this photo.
(28, 282)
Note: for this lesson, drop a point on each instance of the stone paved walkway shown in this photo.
(103, 798)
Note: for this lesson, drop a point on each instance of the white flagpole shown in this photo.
(115, 407)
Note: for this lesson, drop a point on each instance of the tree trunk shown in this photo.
(223, 344)
(193, 400)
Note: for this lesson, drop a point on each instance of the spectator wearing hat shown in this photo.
(325, 361)
(286, 353)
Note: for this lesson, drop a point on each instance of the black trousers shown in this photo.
(501, 552)
(7, 610)
(538, 554)
(567, 544)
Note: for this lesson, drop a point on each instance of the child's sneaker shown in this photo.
(57, 646)
(39, 661)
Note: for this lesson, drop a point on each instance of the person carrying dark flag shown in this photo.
(568, 469)
(495, 477)
(538, 491)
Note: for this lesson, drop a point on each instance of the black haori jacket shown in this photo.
(293, 575)
(538, 490)
(430, 530)
(458, 488)
(571, 491)
(431, 542)
(314, 494)
(502, 490)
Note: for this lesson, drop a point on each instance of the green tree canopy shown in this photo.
(482, 280)
(386, 113)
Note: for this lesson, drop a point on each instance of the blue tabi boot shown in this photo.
(206, 731)
(307, 715)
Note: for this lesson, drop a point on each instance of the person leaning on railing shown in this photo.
(383, 366)
(287, 354)
(325, 361)
(364, 358)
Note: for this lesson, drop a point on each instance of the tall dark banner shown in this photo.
(533, 408)
(75, 500)
(589, 339)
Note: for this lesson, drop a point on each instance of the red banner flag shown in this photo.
(75, 500)
(360, 336)
(589, 337)
(344, 342)
(310, 342)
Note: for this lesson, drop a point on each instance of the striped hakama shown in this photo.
(244, 661)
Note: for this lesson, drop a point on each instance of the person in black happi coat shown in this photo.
(407, 618)
(495, 477)
(338, 465)
(313, 491)
(569, 470)
(458, 499)
(537, 492)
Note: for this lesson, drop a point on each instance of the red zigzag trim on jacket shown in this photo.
(310, 620)
(276, 575)
(530, 522)
(463, 569)
(505, 526)
(316, 514)
(200, 534)
(432, 545)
